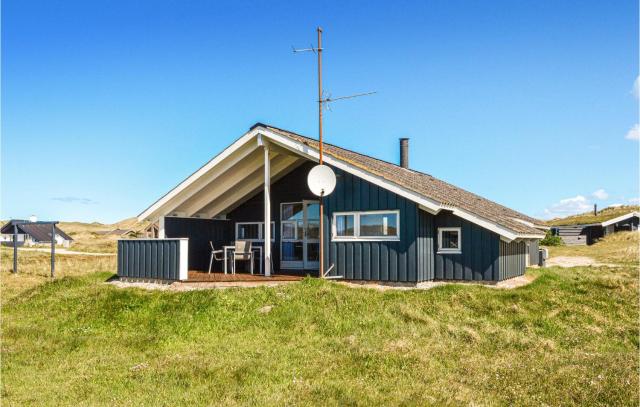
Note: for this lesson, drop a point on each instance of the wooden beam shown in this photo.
(226, 180)
(252, 183)
(206, 179)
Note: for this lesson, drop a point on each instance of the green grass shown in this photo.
(570, 337)
(588, 217)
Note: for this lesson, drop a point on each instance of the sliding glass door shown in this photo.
(300, 231)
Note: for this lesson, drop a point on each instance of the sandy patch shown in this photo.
(178, 286)
(427, 285)
(382, 286)
(574, 261)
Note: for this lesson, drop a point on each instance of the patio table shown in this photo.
(228, 249)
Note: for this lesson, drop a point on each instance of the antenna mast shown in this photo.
(321, 101)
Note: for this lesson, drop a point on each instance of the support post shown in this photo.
(267, 212)
(161, 234)
(53, 250)
(15, 248)
(320, 101)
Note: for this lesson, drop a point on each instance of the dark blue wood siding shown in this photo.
(512, 259)
(413, 258)
(149, 259)
(478, 259)
(426, 248)
(199, 232)
(376, 260)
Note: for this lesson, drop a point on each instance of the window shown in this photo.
(449, 240)
(253, 231)
(370, 225)
(345, 225)
(378, 224)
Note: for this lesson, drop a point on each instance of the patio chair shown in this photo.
(242, 252)
(217, 255)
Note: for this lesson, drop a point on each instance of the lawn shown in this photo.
(570, 337)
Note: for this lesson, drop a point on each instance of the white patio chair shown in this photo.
(242, 252)
(217, 255)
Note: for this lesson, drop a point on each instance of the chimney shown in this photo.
(595, 209)
(404, 152)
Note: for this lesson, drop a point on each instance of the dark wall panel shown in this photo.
(149, 259)
(373, 260)
(512, 259)
(478, 259)
(199, 232)
(534, 247)
(424, 241)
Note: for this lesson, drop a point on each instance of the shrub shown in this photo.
(551, 240)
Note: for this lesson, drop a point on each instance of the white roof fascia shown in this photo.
(619, 218)
(200, 172)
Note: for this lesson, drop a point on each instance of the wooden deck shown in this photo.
(198, 276)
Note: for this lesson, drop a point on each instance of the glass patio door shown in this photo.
(300, 232)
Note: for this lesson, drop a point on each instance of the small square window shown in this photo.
(449, 240)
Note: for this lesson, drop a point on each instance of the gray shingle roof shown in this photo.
(40, 232)
(426, 185)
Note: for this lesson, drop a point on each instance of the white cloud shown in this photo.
(615, 205)
(600, 194)
(568, 206)
(636, 87)
(635, 201)
(75, 199)
(634, 133)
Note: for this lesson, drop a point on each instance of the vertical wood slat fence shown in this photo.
(153, 259)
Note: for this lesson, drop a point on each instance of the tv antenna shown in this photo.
(322, 100)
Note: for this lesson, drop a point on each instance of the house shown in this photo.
(588, 234)
(31, 233)
(383, 222)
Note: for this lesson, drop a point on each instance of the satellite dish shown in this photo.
(321, 180)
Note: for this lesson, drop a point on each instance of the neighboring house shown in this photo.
(33, 233)
(383, 222)
(590, 233)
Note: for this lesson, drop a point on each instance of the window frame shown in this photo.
(260, 231)
(356, 227)
(442, 250)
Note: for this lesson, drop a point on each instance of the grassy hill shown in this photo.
(568, 338)
(588, 217)
(87, 237)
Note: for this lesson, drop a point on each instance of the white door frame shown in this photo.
(303, 264)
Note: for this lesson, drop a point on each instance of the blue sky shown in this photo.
(106, 105)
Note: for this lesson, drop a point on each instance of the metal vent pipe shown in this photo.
(404, 152)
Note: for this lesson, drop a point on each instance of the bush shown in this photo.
(551, 240)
